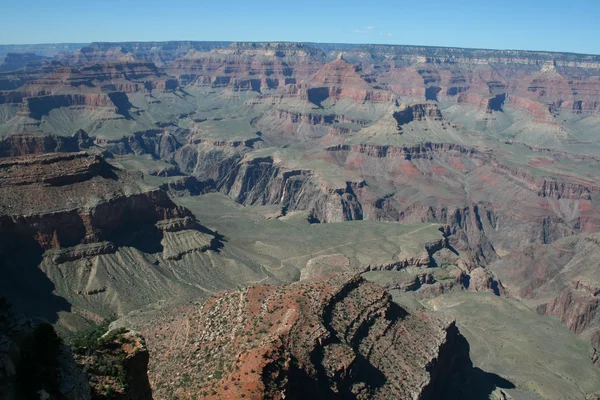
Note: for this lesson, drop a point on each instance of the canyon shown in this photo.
(254, 215)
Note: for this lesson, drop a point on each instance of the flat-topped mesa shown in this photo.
(39, 106)
(338, 338)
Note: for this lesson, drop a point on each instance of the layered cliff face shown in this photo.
(25, 143)
(160, 53)
(52, 223)
(15, 61)
(463, 172)
(99, 89)
(340, 79)
(119, 76)
(61, 212)
(562, 278)
(248, 66)
(339, 338)
(93, 54)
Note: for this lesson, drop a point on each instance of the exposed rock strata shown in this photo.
(340, 338)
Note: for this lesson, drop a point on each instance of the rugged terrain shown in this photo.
(336, 338)
(139, 178)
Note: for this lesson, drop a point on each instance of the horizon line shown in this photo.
(306, 42)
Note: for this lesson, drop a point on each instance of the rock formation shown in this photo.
(107, 151)
(116, 365)
(338, 338)
(33, 361)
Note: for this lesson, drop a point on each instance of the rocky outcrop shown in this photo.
(261, 181)
(495, 103)
(116, 365)
(575, 310)
(339, 338)
(424, 260)
(340, 79)
(34, 363)
(417, 112)
(159, 143)
(563, 275)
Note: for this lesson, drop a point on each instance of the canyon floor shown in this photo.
(280, 220)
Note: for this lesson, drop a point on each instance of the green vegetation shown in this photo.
(102, 358)
(88, 341)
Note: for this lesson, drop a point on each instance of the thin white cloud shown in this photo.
(385, 34)
(367, 29)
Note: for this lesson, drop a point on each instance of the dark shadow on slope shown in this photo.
(497, 102)
(144, 236)
(479, 385)
(431, 93)
(317, 95)
(121, 102)
(218, 242)
(24, 284)
(452, 249)
(298, 384)
(471, 383)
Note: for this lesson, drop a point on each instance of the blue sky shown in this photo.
(509, 24)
